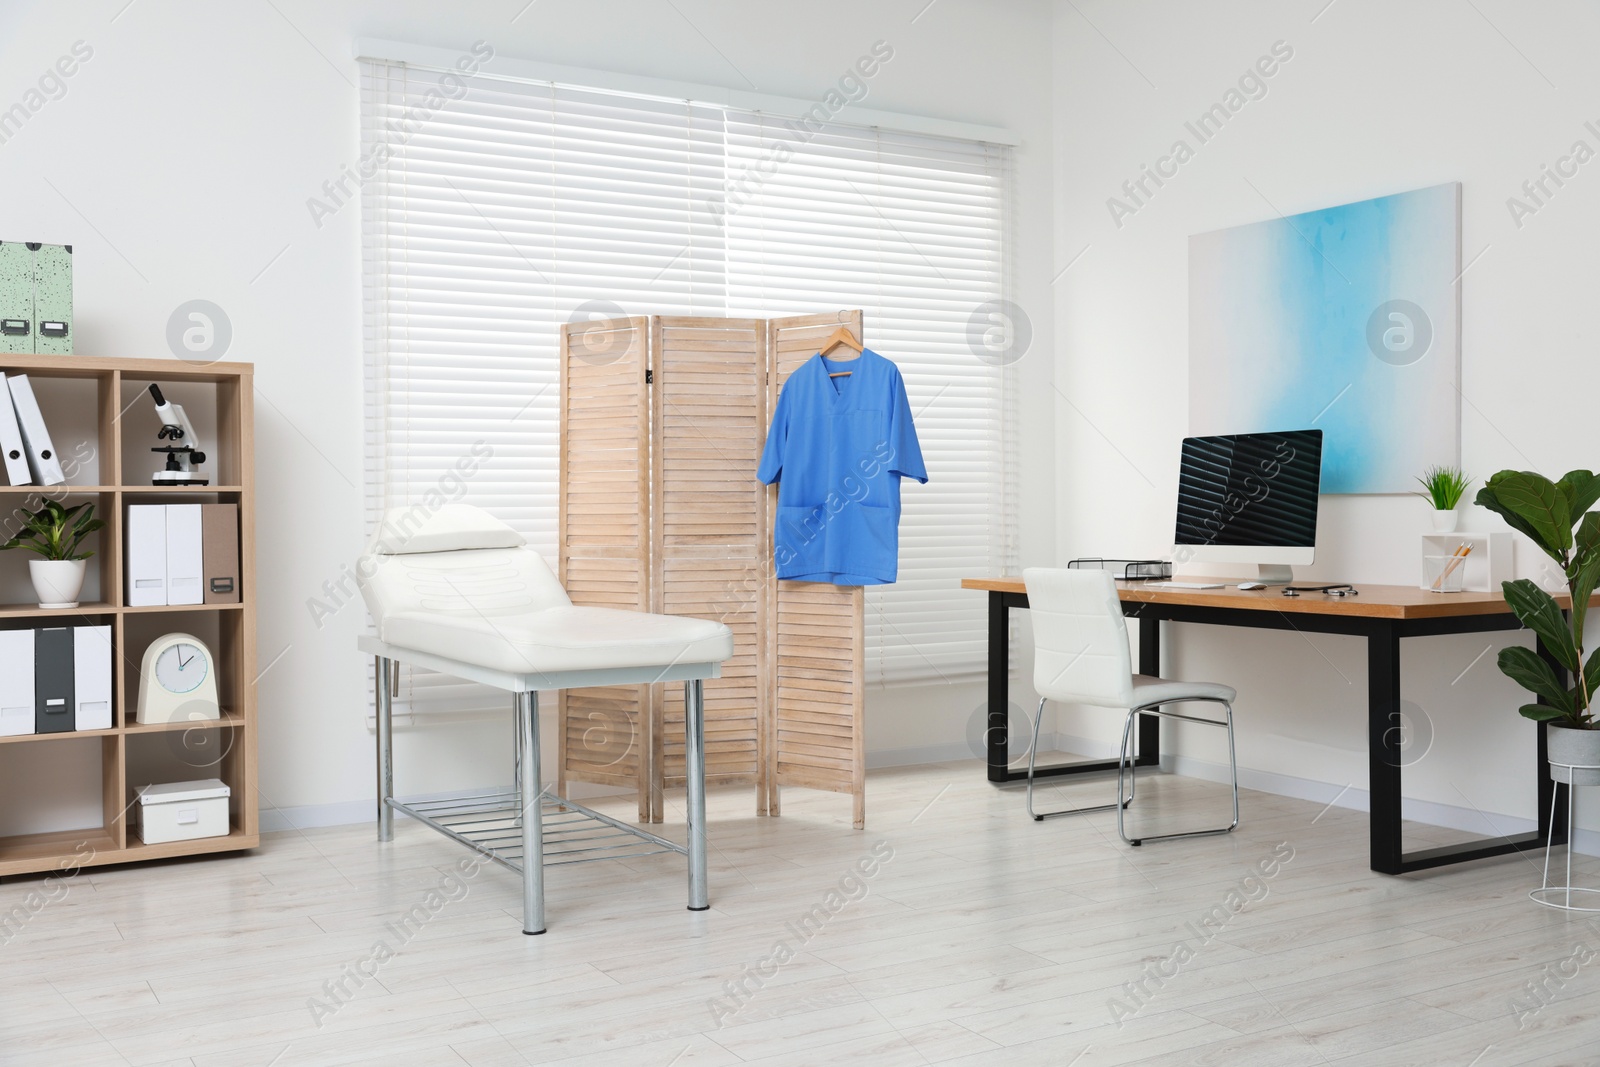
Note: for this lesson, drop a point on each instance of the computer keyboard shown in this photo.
(1189, 585)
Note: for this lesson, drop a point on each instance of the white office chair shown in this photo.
(1081, 657)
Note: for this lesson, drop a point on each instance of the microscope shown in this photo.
(183, 454)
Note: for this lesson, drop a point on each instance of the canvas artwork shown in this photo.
(1346, 320)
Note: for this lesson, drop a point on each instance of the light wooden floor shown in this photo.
(985, 939)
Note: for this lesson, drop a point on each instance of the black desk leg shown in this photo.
(1385, 732)
(1149, 663)
(998, 734)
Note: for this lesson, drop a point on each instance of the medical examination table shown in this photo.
(455, 590)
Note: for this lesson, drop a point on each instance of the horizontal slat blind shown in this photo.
(910, 228)
(518, 206)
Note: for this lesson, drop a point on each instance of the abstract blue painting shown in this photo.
(1346, 320)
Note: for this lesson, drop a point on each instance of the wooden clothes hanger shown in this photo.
(841, 336)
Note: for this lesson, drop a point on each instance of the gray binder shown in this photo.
(53, 671)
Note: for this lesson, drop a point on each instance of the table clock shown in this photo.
(177, 681)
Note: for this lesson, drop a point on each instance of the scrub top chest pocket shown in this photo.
(864, 438)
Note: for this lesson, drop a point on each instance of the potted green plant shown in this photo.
(1443, 488)
(1556, 517)
(57, 534)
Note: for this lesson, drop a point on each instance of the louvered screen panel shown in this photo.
(709, 514)
(815, 632)
(605, 537)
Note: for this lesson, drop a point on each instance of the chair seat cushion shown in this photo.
(1148, 690)
(561, 639)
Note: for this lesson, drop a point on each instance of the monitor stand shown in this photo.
(1274, 574)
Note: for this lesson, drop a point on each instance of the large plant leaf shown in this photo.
(1585, 571)
(1586, 540)
(1488, 497)
(1582, 490)
(1540, 509)
(1523, 666)
(1539, 612)
(1541, 712)
(1591, 675)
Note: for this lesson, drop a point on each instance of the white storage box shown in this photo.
(182, 811)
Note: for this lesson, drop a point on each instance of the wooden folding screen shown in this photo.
(605, 555)
(815, 633)
(662, 425)
(711, 541)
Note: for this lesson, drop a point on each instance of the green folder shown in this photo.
(16, 297)
(52, 300)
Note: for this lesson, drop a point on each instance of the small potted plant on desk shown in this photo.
(1443, 488)
(56, 534)
(1556, 517)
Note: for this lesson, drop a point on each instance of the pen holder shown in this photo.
(1443, 574)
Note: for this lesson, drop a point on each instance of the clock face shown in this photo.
(181, 667)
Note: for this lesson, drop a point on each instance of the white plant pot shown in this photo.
(57, 582)
(1574, 748)
(1445, 520)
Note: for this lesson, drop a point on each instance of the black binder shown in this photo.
(53, 674)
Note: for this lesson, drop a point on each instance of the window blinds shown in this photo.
(515, 206)
(911, 229)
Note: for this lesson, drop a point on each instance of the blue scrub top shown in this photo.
(838, 448)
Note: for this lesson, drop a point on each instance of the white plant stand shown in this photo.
(1560, 896)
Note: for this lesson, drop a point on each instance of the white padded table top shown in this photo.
(534, 681)
(561, 639)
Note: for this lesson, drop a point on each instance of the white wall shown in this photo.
(1378, 98)
(178, 163)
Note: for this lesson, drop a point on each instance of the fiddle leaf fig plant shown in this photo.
(55, 532)
(1555, 516)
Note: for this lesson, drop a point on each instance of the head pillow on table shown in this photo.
(450, 528)
(457, 560)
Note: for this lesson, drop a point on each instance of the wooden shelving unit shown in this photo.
(230, 447)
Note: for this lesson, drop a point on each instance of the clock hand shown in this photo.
(183, 664)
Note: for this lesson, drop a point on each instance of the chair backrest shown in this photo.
(455, 560)
(1080, 638)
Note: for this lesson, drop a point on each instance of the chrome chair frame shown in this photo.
(1033, 752)
(1126, 759)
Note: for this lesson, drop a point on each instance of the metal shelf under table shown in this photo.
(491, 824)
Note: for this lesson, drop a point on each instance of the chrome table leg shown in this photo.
(694, 731)
(532, 804)
(385, 716)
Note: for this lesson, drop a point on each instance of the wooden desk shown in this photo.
(1383, 614)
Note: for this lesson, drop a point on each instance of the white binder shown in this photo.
(16, 683)
(16, 456)
(185, 555)
(147, 555)
(42, 458)
(91, 690)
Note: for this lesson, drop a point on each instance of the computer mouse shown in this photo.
(1251, 585)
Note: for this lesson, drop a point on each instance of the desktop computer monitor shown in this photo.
(1250, 498)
